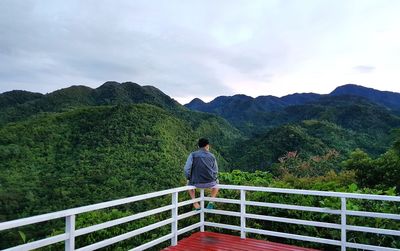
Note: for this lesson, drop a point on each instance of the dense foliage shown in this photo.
(331, 181)
(307, 138)
(79, 146)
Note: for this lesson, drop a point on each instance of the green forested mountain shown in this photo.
(61, 134)
(89, 155)
(342, 123)
(110, 93)
(372, 123)
(79, 145)
(352, 112)
(307, 138)
(13, 98)
(93, 154)
(241, 109)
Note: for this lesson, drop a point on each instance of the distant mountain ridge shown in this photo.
(364, 110)
(270, 103)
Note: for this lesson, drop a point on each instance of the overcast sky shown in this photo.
(201, 48)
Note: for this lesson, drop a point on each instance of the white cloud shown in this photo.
(364, 68)
(200, 49)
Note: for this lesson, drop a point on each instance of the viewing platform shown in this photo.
(200, 239)
(209, 241)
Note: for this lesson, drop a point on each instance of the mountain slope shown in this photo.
(93, 154)
(307, 138)
(350, 112)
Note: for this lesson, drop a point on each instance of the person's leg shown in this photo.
(214, 192)
(192, 194)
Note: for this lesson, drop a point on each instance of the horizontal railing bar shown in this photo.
(313, 192)
(220, 225)
(293, 207)
(222, 212)
(188, 202)
(84, 209)
(125, 236)
(294, 221)
(152, 243)
(189, 228)
(373, 230)
(222, 200)
(373, 215)
(188, 214)
(293, 236)
(369, 247)
(39, 243)
(119, 221)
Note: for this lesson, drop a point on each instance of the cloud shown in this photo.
(197, 49)
(364, 68)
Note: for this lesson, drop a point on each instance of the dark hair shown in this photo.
(203, 142)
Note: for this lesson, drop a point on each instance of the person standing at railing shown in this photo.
(201, 171)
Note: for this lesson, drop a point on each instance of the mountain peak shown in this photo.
(195, 104)
(196, 101)
(350, 88)
(109, 84)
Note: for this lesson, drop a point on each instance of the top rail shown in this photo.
(71, 232)
(313, 192)
(78, 210)
(102, 205)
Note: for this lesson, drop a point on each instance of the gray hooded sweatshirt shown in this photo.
(201, 167)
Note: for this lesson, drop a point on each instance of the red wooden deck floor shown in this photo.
(210, 241)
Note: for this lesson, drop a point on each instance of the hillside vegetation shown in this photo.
(79, 145)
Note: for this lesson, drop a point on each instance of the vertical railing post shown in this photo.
(174, 215)
(343, 223)
(202, 210)
(242, 213)
(70, 231)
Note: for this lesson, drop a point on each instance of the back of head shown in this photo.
(203, 142)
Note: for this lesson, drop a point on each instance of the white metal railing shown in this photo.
(343, 212)
(71, 232)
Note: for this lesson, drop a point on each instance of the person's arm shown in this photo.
(215, 169)
(188, 166)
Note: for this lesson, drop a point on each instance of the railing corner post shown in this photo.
(343, 223)
(174, 215)
(242, 213)
(202, 210)
(70, 231)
